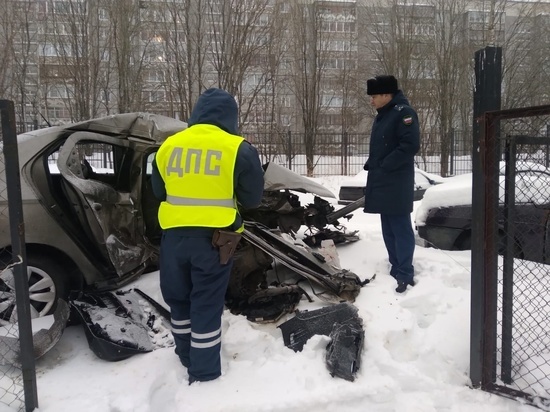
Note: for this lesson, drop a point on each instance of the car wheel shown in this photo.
(47, 280)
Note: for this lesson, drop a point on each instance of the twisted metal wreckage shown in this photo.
(272, 267)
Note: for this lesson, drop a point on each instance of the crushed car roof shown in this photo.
(147, 126)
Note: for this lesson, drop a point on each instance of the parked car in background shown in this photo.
(354, 188)
(444, 217)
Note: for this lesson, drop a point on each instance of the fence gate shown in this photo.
(510, 310)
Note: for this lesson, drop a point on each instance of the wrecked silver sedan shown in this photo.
(91, 222)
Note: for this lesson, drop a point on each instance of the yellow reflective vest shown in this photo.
(197, 167)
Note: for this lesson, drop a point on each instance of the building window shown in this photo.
(338, 45)
(338, 26)
(58, 91)
(339, 63)
(103, 14)
(331, 101)
(155, 96)
(48, 50)
(155, 76)
(69, 7)
(285, 101)
(57, 113)
(252, 82)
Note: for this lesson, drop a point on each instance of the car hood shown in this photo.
(277, 177)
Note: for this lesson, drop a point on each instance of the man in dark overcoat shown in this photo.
(390, 181)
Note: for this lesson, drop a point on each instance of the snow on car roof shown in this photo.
(360, 179)
(457, 190)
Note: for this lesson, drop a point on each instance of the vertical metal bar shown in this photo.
(508, 262)
(547, 157)
(490, 263)
(452, 171)
(477, 308)
(486, 97)
(17, 229)
(345, 154)
(289, 154)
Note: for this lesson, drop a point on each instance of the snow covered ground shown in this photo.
(415, 356)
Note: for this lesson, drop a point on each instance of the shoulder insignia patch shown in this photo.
(408, 120)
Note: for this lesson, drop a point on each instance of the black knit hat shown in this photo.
(385, 84)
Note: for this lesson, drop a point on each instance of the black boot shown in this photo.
(402, 286)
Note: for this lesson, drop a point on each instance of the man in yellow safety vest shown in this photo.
(201, 175)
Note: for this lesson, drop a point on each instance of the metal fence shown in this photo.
(345, 153)
(511, 257)
(11, 376)
(334, 154)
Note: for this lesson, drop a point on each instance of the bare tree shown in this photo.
(266, 101)
(185, 47)
(8, 24)
(308, 49)
(452, 63)
(238, 33)
(73, 31)
(19, 78)
(424, 46)
(132, 25)
(523, 53)
(400, 39)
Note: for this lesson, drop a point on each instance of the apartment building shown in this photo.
(292, 65)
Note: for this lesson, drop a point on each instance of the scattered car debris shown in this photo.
(47, 331)
(250, 294)
(344, 349)
(344, 327)
(121, 324)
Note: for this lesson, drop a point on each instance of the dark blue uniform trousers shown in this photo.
(193, 284)
(399, 239)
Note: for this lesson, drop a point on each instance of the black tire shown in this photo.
(48, 282)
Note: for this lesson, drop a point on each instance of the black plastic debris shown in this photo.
(116, 325)
(337, 236)
(344, 349)
(268, 305)
(305, 324)
(342, 324)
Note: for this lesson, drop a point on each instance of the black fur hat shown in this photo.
(385, 84)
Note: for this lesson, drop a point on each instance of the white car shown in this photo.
(444, 217)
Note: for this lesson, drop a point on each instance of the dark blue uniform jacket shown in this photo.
(218, 108)
(395, 139)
